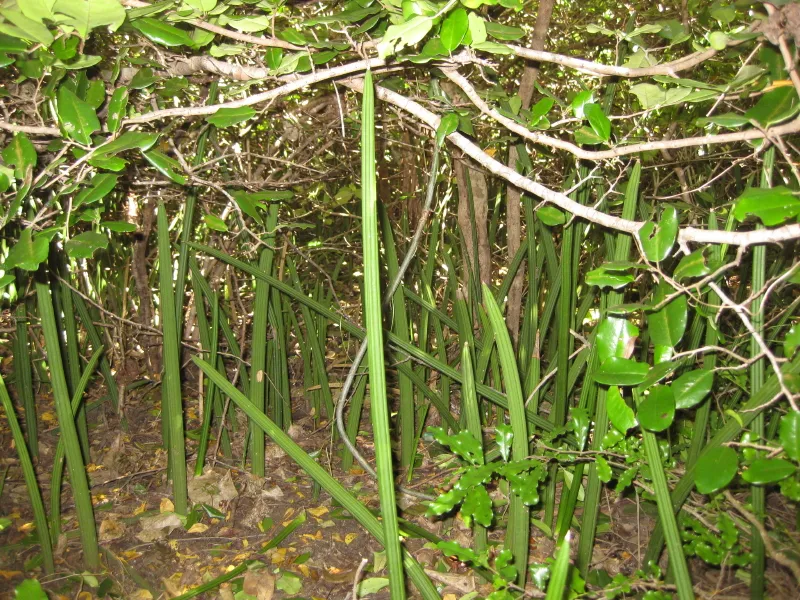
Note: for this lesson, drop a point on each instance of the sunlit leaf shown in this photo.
(774, 107)
(772, 205)
(454, 28)
(85, 244)
(225, 117)
(77, 117)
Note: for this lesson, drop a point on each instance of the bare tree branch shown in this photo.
(686, 235)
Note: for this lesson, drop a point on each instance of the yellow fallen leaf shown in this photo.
(84, 596)
(278, 556)
(490, 151)
(348, 539)
(48, 417)
(130, 554)
(140, 594)
(315, 536)
(287, 516)
(336, 537)
(304, 570)
(198, 528)
(9, 574)
(140, 509)
(26, 527)
(166, 505)
(449, 597)
(91, 467)
(319, 511)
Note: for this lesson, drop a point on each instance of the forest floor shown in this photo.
(149, 553)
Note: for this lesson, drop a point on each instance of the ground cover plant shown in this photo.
(458, 299)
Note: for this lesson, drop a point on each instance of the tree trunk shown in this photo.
(470, 179)
(514, 226)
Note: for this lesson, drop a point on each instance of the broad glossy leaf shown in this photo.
(163, 33)
(504, 32)
(493, 48)
(477, 505)
(621, 371)
(477, 28)
(98, 188)
(692, 387)
(774, 107)
(215, 223)
(30, 589)
(116, 108)
(619, 413)
(657, 373)
(85, 244)
(28, 252)
(586, 136)
(504, 436)
(772, 205)
(165, 165)
(667, 326)
(715, 469)
(462, 443)
(768, 470)
(225, 117)
(579, 423)
(729, 120)
(526, 486)
(604, 277)
(657, 409)
(551, 216)
(615, 337)
(448, 125)
(77, 117)
(790, 434)
(13, 45)
(119, 226)
(695, 264)
(657, 240)
(26, 28)
(86, 15)
(404, 34)
(454, 549)
(144, 77)
(128, 141)
(598, 120)
(202, 5)
(604, 473)
(792, 341)
(273, 57)
(20, 154)
(454, 28)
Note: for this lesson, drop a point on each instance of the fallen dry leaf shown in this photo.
(259, 583)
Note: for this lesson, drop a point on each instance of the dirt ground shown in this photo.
(147, 553)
